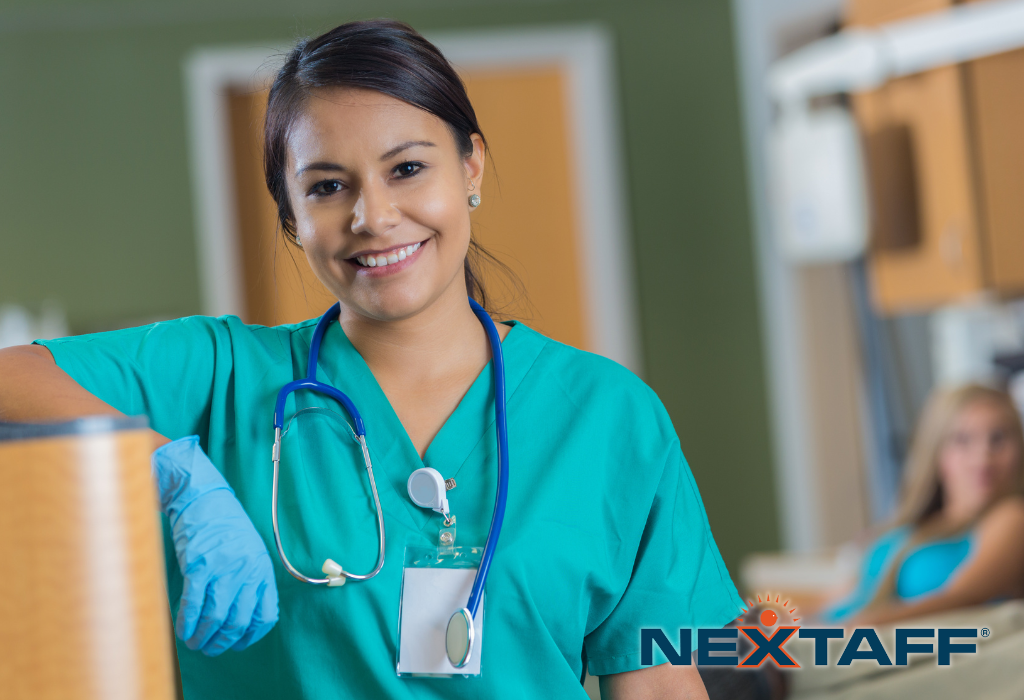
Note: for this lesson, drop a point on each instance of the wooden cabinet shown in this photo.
(995, 92)
(945, 160)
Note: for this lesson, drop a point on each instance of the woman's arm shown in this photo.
(34, 388)
(229, 599)
(664, 682)
(995, 570)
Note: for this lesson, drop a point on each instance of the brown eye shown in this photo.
(407, 169)
(325, 187)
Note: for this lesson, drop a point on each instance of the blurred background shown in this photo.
(791, 268)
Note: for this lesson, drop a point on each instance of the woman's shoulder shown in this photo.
(589, 378)
(1004, 517)
(230, 327)
(237, 325)
(592, 369)
(198, 326)
(199, 336)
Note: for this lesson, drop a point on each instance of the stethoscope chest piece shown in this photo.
(458, 640)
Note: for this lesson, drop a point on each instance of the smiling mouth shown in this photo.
(389, 258)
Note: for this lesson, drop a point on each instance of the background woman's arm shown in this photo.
(34, 389)
(995, 570)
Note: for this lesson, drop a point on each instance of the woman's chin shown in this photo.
(403, 297)
(393, 305)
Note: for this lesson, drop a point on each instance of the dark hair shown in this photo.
(384, 55)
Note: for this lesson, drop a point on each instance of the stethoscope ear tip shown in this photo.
(335, 574)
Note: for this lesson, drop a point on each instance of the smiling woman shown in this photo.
(345, 80)
(392, 177)
(375, 162)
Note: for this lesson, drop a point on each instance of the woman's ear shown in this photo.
(475, 163)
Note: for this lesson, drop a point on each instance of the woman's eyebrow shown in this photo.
(334, 167)
(320, 165)
(402, 146)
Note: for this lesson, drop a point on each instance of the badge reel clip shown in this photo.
(436, 581)
(428, 489)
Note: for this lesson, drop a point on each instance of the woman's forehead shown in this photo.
(980, 413)
(360, 119)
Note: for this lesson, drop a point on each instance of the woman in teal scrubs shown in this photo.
(375, 160)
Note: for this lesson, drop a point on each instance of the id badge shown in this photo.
(435, 583)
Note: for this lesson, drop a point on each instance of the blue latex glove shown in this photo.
(229, 600)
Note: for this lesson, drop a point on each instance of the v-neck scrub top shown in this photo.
(604, 531)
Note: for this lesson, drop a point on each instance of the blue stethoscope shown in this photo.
(460, 632)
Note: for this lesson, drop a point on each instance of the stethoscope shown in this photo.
(460, 634)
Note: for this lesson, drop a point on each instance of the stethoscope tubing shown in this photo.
(310, 382)
(277, 530)
(501, 428)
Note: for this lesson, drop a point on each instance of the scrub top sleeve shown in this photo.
(678, 580)
(166, 371)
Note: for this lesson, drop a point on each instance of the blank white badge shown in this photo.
(429, 597)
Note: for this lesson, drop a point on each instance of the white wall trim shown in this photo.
(796, 484)
(584, 52)
(208, 74)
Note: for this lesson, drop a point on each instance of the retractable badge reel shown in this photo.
(436, 581)
(428, 489)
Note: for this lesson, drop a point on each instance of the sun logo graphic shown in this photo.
(768, 614)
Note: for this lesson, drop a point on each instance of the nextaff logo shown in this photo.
(721, 646)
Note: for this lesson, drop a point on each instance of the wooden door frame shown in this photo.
(583, 52)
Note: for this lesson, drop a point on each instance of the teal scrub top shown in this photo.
(604, 534)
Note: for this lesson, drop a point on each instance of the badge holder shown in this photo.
(436, 581)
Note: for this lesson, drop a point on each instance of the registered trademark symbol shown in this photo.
(985, 632)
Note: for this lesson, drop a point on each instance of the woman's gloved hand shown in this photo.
(230, 598)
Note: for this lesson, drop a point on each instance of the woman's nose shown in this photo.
(374, 212)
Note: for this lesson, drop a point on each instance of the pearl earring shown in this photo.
(474, 200)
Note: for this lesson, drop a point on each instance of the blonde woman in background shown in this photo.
(958, 539)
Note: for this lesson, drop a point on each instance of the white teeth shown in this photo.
(389, 258)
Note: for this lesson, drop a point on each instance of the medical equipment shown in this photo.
(460, 633)
(427, 489)
(335, 575)
(819, 195)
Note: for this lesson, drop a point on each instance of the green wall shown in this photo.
(97, 211)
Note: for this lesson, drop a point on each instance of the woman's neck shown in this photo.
(445, 338)
(947, 520)
(426, 363)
